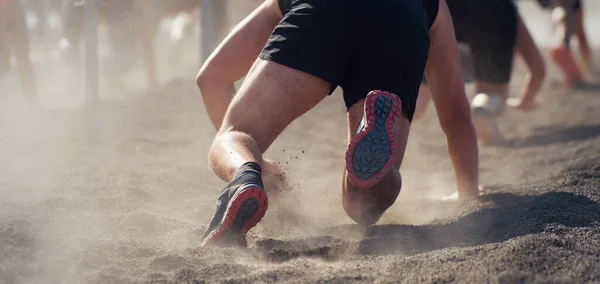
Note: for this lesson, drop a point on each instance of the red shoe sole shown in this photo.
(391, 133)
(233, 209)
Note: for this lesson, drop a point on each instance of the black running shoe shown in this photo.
(241, 205)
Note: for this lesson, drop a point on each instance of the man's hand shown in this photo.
(455, 196)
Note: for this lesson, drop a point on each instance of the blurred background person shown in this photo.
(14, 43)
(131, 27)
(493, 31)
(127, 32)
(567, 22)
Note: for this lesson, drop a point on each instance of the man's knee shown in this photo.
(366, 207)
(366, 213)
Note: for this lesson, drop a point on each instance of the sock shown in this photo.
(248, 166)
(249, 171)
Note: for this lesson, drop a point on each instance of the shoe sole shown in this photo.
(486, 127)
(372, 151)
(245, 209)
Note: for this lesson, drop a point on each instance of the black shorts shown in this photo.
(355, 44)
(489, 28)
(577, 5)
(285, 6)
(548, 4)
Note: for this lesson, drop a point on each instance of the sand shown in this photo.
(130, 205)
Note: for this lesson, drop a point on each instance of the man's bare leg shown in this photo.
(366, 205)
(267, 102)
(272, 96)
(492, 97)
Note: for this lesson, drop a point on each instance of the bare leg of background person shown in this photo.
(18, 36)
(584, 46)
(526, 47)
(563, 18)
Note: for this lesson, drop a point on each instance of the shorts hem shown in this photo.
(293, 63)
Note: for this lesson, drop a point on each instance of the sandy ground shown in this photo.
(129, 206)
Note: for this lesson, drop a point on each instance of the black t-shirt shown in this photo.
(431, 7)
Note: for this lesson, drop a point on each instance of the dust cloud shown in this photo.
(128, 204)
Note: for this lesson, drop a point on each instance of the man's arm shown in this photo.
(444, 74)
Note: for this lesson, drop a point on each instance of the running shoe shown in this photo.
(241, 205)
(486, 127)
(372, 151)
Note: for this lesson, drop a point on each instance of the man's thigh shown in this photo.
(271, 97)
(302, 62)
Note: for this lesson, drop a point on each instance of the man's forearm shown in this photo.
(462, 147)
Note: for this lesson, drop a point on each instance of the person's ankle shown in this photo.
(249, 167)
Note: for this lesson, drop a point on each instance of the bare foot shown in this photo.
(519, 104)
